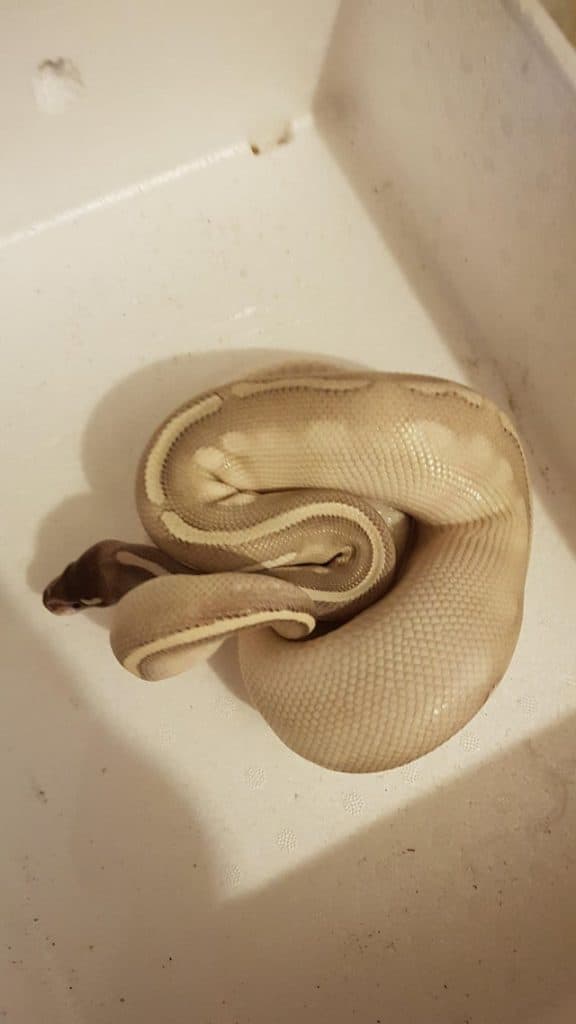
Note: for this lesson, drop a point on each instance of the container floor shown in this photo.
(164, 858)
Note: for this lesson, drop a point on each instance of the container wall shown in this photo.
(95, 97)
(456, 124)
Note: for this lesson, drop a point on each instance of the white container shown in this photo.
(412, 205)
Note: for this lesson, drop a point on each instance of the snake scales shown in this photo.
(366, 535)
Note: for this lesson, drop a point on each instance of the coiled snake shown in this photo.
(366, 535)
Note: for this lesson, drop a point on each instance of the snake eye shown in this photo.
(76, 605)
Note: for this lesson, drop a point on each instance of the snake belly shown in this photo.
(365, 535)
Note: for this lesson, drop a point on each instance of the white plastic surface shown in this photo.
(164, 858)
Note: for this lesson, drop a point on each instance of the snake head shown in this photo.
(103, 574)
(85, 583)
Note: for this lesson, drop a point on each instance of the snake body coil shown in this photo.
(366, 535)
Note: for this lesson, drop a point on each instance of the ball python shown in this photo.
(366, 535)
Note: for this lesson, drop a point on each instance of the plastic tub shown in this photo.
(188, 190)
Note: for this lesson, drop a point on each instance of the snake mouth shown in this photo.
(57, 606)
